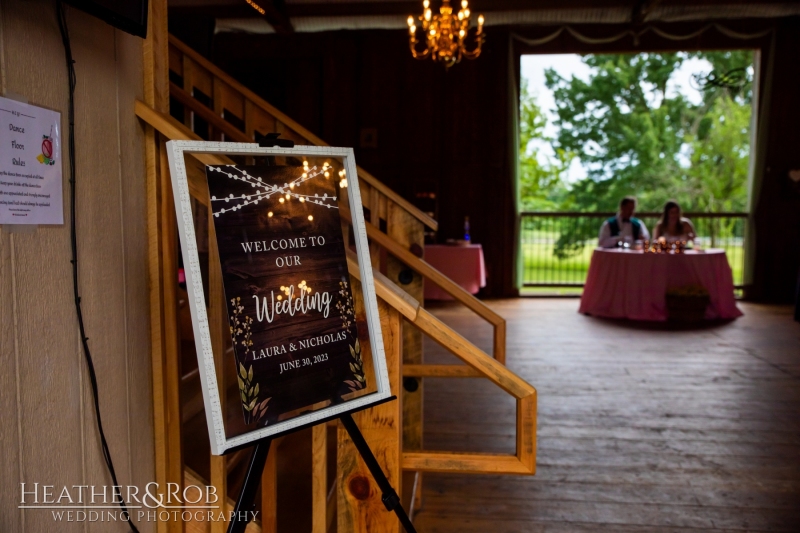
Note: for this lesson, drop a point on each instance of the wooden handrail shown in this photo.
(449, 286)
(232, 133)
(524, 461)
(228, 80)
(172, 129)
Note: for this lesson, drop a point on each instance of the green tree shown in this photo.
(626, 130)
(540, 184)
(636, 137)
(719, 141)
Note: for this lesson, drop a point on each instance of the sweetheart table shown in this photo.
(633, 284)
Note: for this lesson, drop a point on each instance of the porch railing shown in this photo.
(556, 247)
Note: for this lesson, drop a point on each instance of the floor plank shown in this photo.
(642, 427)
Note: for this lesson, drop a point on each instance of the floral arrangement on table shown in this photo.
(687, 303)
(662, 246)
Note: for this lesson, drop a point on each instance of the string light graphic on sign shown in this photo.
(283, 193)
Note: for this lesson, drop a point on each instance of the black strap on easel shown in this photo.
(389, 497)
(246, 502)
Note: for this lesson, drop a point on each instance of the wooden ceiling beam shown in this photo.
(641, 10)
(415, 7)
(279, 14)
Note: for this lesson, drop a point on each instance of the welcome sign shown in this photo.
(287, 287)
(299, 354)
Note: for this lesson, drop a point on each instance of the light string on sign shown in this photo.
(265, 191)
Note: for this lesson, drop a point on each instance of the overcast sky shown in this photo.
(568, 65)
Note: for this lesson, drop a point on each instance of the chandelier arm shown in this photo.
(472, 54)
(424, 54)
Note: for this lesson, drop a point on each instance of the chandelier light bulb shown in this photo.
(410, 21)
(464, 4)
(480, 20)
(428, 14)
(466, 13)
(426, 4)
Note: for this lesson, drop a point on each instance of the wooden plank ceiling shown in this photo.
(282, 16)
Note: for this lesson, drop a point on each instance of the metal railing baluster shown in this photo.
(543, 236)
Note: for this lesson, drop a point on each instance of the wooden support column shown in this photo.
(162, 266)
(360, 509)
(319, 478)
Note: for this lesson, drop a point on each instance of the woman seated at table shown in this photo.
(672, 225)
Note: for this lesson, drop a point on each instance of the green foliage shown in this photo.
(635, 137)
(540, 184)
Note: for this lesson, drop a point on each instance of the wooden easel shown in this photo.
(246, 501)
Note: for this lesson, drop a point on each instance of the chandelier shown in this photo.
(445, 34)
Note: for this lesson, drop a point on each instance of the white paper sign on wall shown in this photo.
(30, 164)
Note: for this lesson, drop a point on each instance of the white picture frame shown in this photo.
(220, 443)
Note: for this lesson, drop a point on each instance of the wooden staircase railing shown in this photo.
(172, 129)
(478, 364)
(452, 288)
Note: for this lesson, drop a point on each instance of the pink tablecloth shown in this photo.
(462, 264)
(630, 284)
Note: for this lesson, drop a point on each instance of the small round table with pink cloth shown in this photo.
(633, 284)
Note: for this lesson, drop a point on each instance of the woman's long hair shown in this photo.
(664, 222)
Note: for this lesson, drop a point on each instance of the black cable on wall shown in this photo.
(62, 25)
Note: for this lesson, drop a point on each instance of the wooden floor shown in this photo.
(640, 428)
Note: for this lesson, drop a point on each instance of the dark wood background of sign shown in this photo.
(256, 274)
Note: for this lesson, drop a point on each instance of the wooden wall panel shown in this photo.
(56, 442)
(10, 517)
(102, 275)
(130, 178)
(777, 265)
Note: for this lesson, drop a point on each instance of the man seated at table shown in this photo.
(624, 227)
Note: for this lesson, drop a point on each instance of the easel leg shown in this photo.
(390, 498)
(244, 506)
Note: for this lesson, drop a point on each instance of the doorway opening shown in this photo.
(658, 126)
